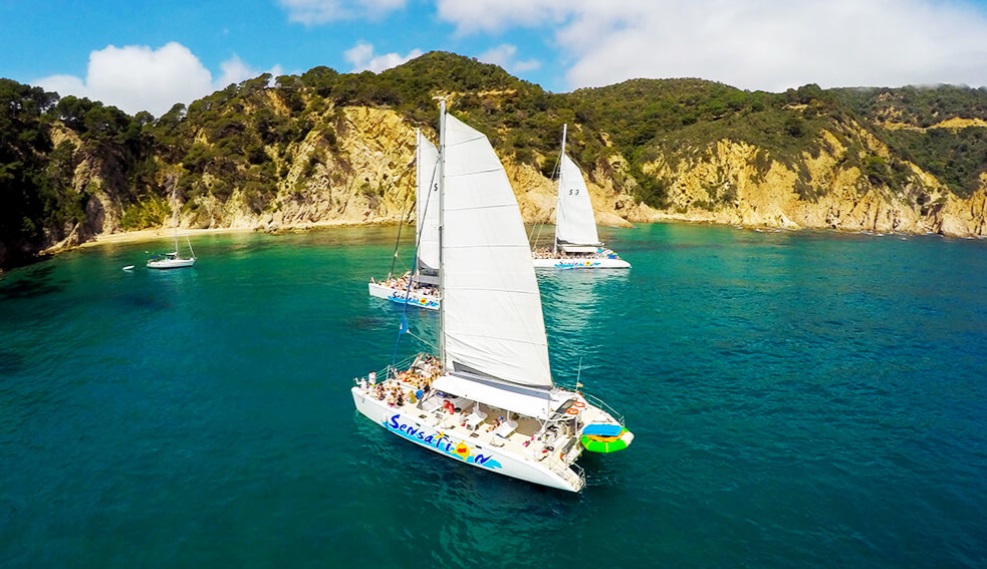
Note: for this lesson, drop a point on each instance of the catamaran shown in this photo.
(577, 244)
(420, 288)
(488, 399)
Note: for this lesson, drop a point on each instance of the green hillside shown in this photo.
(246, 137)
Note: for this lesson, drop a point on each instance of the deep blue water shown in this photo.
(799, 400)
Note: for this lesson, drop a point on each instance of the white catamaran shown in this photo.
(420, 289)
(489, 400)
(577, 244)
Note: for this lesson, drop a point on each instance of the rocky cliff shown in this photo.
(368, 176)
(329, 148)
(724, 184)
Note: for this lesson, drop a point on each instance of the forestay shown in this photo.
(492, 314)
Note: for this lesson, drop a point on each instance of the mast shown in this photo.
(418, 222)
(442, 215)
(558, 195)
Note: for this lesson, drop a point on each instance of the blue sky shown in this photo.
(150, 55)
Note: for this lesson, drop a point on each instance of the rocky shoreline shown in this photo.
(656, 217)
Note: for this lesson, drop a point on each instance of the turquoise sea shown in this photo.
(806, 399)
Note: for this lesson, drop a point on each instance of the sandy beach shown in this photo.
(155, 234)
(163, 233)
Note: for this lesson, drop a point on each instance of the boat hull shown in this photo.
(170, 263)
(426, 301)
(590, 263)
(455, 444)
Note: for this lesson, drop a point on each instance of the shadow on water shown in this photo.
(10, 362)
(32, 283)
(143, 301)
(370, 322)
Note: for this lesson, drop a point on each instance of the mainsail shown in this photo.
(574, 221)
(491, 308)
(427, 205)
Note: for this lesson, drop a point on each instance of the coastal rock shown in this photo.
(355, 165)
(725, 184)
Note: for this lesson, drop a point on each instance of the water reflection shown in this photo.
(575, 304)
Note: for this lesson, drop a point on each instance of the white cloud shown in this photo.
(63, 85)
(493, 16)
(770, 44)
(504, 54)
(138, 78)
(362, 58)
(234, 70)
(314, 12)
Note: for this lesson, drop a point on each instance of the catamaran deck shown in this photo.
(481, 424)
(552, 444)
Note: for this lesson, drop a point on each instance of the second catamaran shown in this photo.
(577, 244)
(421, 287)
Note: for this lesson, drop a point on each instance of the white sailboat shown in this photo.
(420, 289)
(577, 244)
(173, 259)
(489, 399)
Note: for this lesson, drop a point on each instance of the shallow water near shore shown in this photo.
(798, 399)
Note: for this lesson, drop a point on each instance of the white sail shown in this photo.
(492, 316)
(427, 205)
(494, 352)
(574, 221)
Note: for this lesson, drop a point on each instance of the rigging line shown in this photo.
(407, 297)
(418, 227)
(397, 241)
(423, 340)
(556, 175)
(418, 238)
(403, 329)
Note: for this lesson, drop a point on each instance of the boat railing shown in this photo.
(596, 401)
(559, 463)
(579, 473)
(390, 371)
(572, 472)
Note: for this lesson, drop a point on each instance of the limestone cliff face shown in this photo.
(728, 184)
(356, 166)
(537, 196)
(364, 173)
(102, 177)
(370, 178)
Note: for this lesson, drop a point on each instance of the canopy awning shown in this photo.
(533, 403)
(580, 248)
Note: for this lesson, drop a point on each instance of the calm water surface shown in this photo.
(799, 400)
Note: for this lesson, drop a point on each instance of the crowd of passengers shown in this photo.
(401, 283)
(546, 253)
(414, 383)
(411, 384)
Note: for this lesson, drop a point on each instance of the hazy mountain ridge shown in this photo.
(326, 147)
